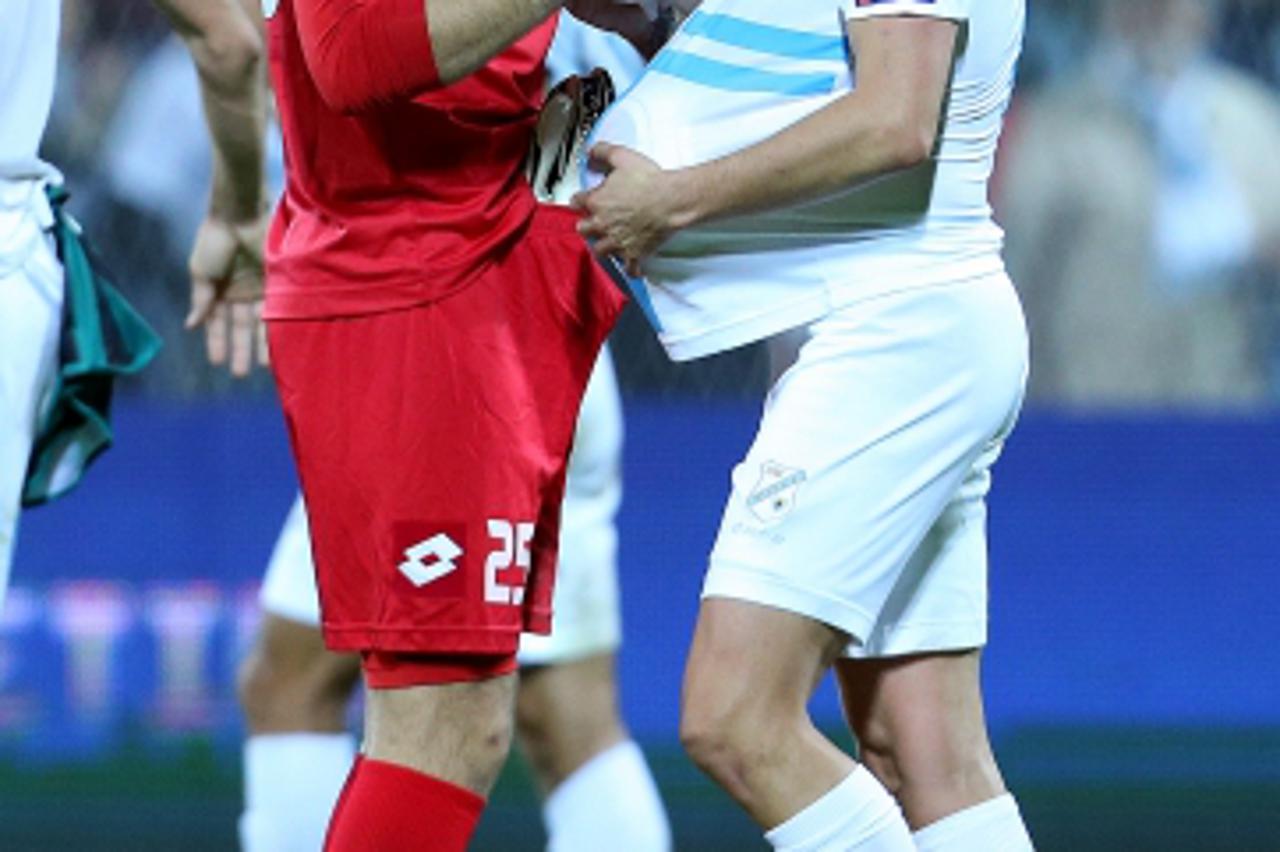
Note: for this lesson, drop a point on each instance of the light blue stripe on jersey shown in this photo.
(640, 293)
(764, 38)
(738, 78)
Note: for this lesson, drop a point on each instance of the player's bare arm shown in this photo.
(226, 43)
(888, 123)
(364, 53)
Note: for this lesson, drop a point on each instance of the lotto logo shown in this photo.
(433, 558)
(429, 560)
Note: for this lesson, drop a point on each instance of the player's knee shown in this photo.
(459, 731)
(707, 746)
(482, 737)
(484, 744)
(726, 739)
(939, 764)
(876, 751)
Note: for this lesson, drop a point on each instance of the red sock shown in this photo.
(390, 808)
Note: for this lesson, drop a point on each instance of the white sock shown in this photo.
(856, 814)
(993, 826)
(611, 803)
(291, 782)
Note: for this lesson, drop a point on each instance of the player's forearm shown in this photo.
(888, 123)
(837, 148)
(465, 34)
(237, 126)
(226, 44)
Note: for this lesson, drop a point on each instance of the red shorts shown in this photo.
(431, 445)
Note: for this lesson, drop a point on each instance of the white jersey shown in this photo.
(28, 57)
(739, 71)
(577, 48)
(30, 276)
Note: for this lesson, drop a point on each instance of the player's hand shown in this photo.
(226, 292)
(633, 211)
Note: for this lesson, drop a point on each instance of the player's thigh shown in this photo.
(290, 681)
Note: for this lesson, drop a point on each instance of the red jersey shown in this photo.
(401, 202)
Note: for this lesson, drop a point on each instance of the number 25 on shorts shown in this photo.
(513, 540)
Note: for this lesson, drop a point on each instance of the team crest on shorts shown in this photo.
(774, 496)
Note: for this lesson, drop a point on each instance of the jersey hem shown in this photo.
(745, 330)
(287, 300)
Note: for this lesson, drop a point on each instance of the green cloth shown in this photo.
(102, 337)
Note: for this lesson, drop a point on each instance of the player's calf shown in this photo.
(919, 722)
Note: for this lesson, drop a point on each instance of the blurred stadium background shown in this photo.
(1133, 679)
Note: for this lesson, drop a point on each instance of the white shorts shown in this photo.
(30, 326)
(586, 617)
(861, 503)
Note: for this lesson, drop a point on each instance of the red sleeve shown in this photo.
(364, 52)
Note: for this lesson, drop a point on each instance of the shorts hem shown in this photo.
(423, 640)
(734, 580)
(398, 671)
(922, 637)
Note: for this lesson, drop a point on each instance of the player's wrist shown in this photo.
(686, 198)
(239, 210)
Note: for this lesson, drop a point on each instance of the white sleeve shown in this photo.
(952, 10)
